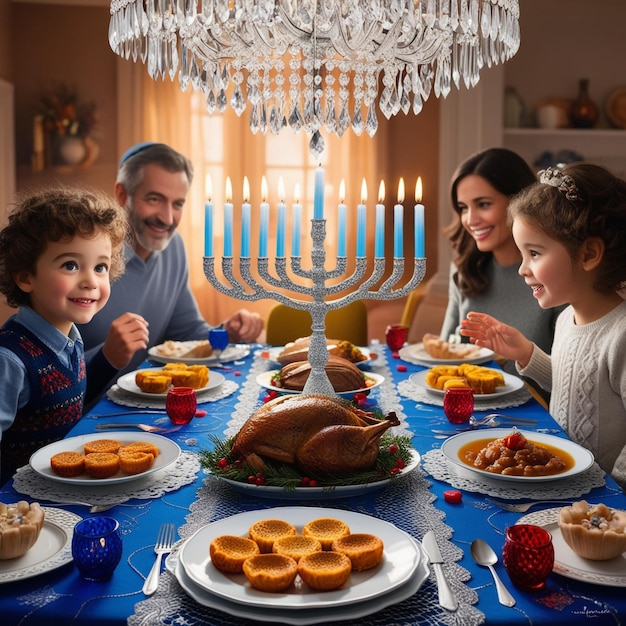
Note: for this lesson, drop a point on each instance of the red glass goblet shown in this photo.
(181, 404)
(395, 336)
(528, 555)
(458, 404)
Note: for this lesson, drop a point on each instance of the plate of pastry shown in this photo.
(400, 560)
(489, 383)
(167, 452)
(433, 350)
(196, 353)
(156, 379)
(361, 356)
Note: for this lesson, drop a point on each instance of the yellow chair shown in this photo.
(285, 324)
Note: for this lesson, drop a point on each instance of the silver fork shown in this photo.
(163, 545)
(524, 506)
(145, 427)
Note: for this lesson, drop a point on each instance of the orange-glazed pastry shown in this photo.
(68, 464)
(102, 445)
(325, 571)
(265, 532)
(364, 551)
(228, 552)
(20, 525)
(593, 531)
(140, 446)
(102, 464)
(296, 546)
(136, 462)
(270, 572)
(326, 530)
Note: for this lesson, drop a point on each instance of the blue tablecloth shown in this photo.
(60, 596)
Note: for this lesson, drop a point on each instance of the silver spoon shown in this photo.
(484, 555)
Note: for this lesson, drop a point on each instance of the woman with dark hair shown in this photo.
(484, 273)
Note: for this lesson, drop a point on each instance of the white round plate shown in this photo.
(40, 460)
(311, 615)
(265, 381)
(52, 549)
(127, 383)
(271, 354)
(567, 563)
(318, 493)
(583, 459)
(401, 558)
(416, 354)
(511, 383)
(233, 352)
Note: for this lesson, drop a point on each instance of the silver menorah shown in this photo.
(320, 294)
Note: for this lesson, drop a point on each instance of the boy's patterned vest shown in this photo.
(56, 401)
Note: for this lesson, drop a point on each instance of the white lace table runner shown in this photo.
(435, 463)
(183, 472)
(516, 398)
(119, 396)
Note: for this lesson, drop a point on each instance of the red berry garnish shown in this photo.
(452, 496)
(401, 368)
(305, 481)
(260, 480)
(393, 448)
(312, 483)
(394, 470)
(400, 464)
(222, 463)
(252, 479)
(237, 373)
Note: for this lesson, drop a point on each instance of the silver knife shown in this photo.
(447, 599)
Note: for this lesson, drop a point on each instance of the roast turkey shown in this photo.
(318, 434)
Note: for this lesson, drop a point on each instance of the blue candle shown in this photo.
(228, 220)
(361, 222)
(265, 220)
(341, 229)
(318, 195)
(245, 219)
(398, 217)
(296, 222)
(208, 218)
(379, 242)
(419, 221)
(282, 220)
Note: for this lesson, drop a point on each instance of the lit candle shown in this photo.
(398, 217)
(208, 217)
(265, 219)
(318, 195)
(361, 222)
(419, 221)
(245, 219)
(341, 229)
(282, 219)
(228, 219)
(296, 222)
(379, 247)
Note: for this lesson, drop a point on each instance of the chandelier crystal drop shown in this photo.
(316, 64)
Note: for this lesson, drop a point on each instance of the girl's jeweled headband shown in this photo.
(564, 183)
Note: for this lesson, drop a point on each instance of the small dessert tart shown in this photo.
(102, 445)
(68, 464)
(326, 530)
(325, 571)
(296, 546)
(102, 464)
(593, 531)
(270, 572)
(265, 532)
(20, 525)
(228, 552)
(364, 551)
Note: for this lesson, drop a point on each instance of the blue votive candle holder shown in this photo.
(97, 547)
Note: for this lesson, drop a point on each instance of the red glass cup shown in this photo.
(528, 555)
(458, 404)
(395, 336)
(181, 404)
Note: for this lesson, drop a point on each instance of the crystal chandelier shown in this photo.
(316, 64)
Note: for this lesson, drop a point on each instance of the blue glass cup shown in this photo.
(218, 338)
(97, 547)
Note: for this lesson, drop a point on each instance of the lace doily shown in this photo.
(407, 504)
(435, 463)
(385, 396)
(119, 396)
(516, 398)
(183, 472)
